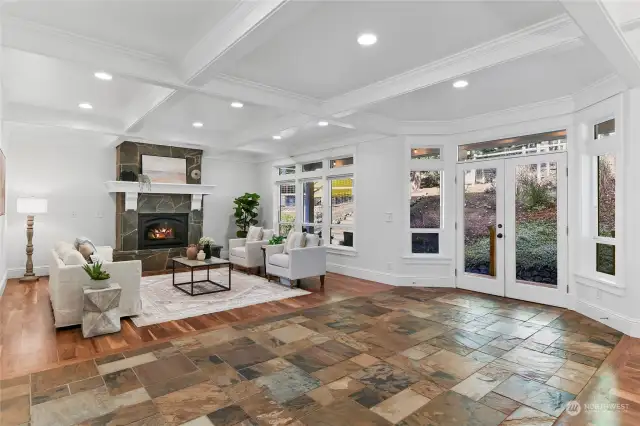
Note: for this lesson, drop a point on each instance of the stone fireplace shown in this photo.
(157, 224)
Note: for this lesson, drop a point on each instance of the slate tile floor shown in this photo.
(406, 356)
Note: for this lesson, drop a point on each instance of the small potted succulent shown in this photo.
(206, 244)
(99, 277)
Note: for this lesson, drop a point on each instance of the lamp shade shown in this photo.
(30, 205)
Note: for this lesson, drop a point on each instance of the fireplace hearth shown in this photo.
(162, 230)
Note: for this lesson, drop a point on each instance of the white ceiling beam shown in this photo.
(536, 38)
(596, 23)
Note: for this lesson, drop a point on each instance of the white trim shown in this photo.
(40, 271)
(342, 250)
(605, 285)
(3, 283)
(622, 323)
(391, 279)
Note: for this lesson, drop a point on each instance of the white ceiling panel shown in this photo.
(215, 114)
(319, 56)
(45, 82)
(535, 78)
(165, 28)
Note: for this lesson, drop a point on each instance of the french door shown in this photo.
(511, 227)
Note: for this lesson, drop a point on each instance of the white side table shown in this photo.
(101, 312)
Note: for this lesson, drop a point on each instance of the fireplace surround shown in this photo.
(162, 230)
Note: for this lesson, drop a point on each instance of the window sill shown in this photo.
(601, 284)
(426, 259)
(342, 251)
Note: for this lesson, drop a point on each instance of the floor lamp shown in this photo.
(30, 206)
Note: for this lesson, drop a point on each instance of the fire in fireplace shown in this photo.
(162, 230)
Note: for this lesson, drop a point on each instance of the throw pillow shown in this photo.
(84, 240)
(74, 258)
(295, 240)
(255, 233)
(312, 240)
(267, 234)
(86, 251)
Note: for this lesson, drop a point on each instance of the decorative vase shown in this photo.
(207, 251)
(192, 252)
(241, 234)
(200, 256)
(99, 284)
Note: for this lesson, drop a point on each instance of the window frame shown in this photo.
(329, 179)
(424, 165)
(325, 174)
(278, 220)
(609, 145)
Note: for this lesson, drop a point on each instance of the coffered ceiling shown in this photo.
(293, 64)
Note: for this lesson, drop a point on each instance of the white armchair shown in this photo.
(298, 263)
(245, 253)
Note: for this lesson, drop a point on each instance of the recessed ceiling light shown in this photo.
(323, 123)
(277, 137)
(237, 104)
(459, 84)
(85, 105)
(197, 124)
(103, 75)
(367, 39)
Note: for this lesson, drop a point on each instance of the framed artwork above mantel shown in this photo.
(164, 169)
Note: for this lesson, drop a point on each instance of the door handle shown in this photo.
(499, 235)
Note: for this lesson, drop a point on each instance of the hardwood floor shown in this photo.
(359, 352)
(29, 342)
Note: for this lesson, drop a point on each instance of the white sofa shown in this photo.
(248, 254)
(309, 261)
(66, 279)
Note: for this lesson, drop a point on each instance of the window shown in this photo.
(287, 170)
(604, 199)
(341, 162)
(425, 211)
(604, 129)
(342, 212)
(312, 205)
(521, 145)
(605, 205)
(425, 153)
(287, 208)
(310, 167)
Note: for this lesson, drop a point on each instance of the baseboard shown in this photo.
(608, 317)
(3, 283)
(19, 272)
(363, 274)
(390, 278)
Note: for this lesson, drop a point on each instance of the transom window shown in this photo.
(521, 145)
(311, 167)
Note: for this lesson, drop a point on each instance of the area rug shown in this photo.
(162, 302)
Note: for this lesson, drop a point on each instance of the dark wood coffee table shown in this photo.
(197, 264)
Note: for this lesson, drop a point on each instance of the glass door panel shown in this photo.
(480, 226)
(535, 211)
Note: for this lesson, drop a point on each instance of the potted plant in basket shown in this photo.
(246, 212)
(99, 277)
(206, 243)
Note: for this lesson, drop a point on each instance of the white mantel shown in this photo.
(132, 189)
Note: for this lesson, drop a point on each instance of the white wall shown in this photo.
(69, 169)
(232, 179)
(3, 219)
